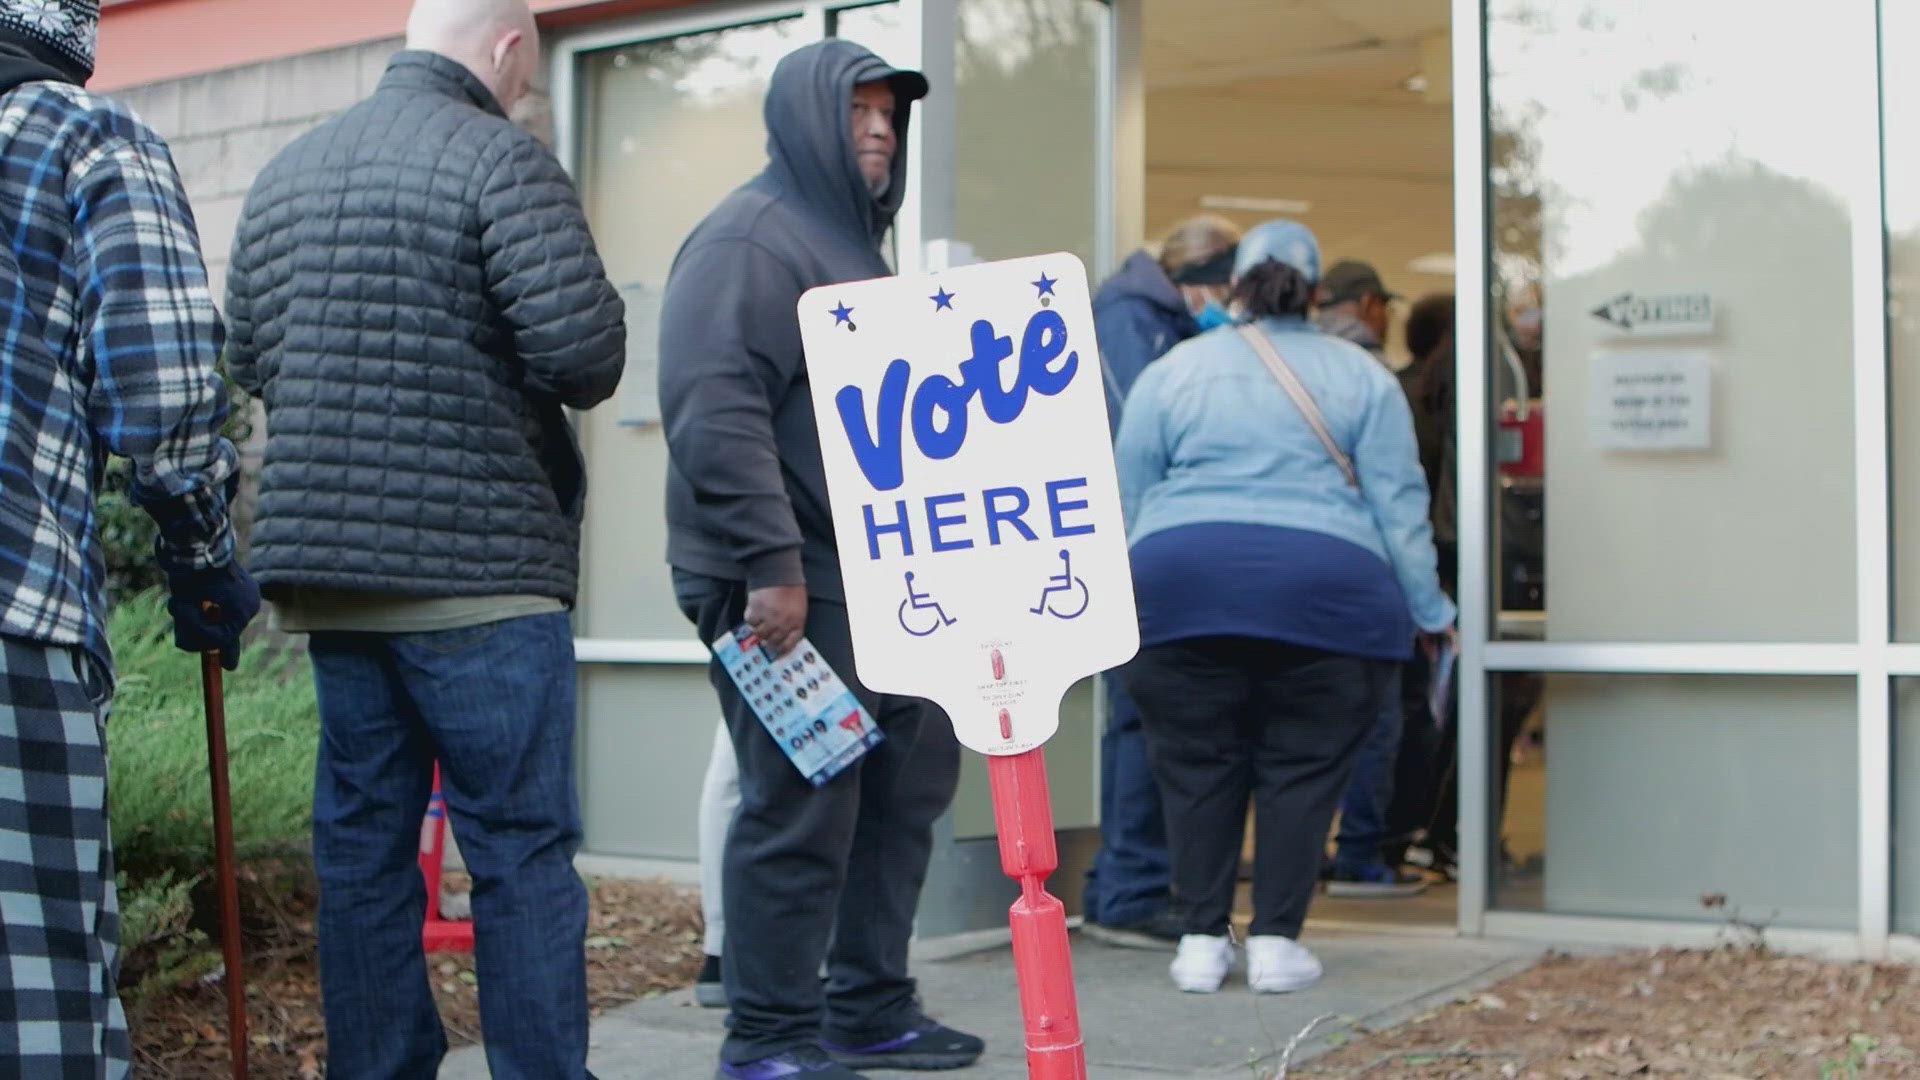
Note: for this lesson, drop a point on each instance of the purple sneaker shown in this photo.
(928, 1046)
(809, 1062)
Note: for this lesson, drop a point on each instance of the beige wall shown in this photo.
(1665, 789)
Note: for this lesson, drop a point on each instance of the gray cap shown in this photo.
(1287, 242)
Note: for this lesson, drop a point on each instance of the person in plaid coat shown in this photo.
(108, 341)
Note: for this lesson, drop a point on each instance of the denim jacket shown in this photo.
(1209, 436)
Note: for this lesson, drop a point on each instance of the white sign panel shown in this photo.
(964, 431)
(1652, 400)
(1658, 314)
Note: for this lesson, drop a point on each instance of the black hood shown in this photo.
(1141, 278)
(810, 134)
(24, 60)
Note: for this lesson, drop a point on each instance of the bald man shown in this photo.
(415, 296)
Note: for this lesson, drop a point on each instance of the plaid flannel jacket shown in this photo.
(108, 341)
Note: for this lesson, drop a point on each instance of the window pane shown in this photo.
(668, 128)
(1640, 795)
(1900, 97)
(880, 27)
(1906, 805)
(1028, 73)
(1672, 320)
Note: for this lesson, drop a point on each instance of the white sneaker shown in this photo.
(1277, 965)
(1202, 963)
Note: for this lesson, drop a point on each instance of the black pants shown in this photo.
(830, 873)
(1229, 718)
(1426, 788)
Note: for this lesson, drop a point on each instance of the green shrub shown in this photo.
(160, 945)
(126, 534)
(162, 817)
(161, 803)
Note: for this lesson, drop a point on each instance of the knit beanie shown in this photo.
(69, 28)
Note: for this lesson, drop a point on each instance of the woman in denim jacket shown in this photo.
(1275, 599)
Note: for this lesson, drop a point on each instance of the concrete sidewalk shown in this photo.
(1137, 1026)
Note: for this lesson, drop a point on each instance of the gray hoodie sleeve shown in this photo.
(729, 350)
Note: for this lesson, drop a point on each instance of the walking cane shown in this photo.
(229, 885)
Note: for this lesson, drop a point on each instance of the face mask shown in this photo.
(1213, 315)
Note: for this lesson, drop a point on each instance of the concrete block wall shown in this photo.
(225, 126)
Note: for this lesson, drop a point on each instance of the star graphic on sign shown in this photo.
(1046, 284)
(843, 314)
(942, 300)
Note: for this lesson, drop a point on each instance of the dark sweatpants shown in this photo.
(1231, 717)
(829, 873)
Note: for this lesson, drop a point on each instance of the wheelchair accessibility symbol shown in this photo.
(1063, 584)
(920, 614)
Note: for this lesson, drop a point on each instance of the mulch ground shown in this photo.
(1737, 1013)
(1731, 1014)
(643, 940)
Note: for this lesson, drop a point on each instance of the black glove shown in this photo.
(211, 608)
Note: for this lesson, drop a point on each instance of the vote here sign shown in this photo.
(964, 429)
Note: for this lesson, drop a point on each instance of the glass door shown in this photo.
(659, 120)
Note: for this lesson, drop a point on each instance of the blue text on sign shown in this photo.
(879, 452)
(1004, 513)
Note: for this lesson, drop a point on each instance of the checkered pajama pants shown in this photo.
(60, 1018)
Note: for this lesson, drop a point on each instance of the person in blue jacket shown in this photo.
(1279, 583)
(1148, 306)
(1154, 302)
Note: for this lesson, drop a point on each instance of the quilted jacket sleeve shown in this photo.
(243, 352)
(545, 274)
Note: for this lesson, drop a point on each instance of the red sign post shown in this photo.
(1023, 811)
(439, 935)
(963, 426)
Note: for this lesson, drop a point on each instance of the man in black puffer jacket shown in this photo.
(415, 295)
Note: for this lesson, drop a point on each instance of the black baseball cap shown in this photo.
(908, 85)
(1352, 280)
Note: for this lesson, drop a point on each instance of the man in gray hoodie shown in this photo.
(829, 874)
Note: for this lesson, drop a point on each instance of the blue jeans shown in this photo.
(494, 704)
(1363, 811)
(1128, 880)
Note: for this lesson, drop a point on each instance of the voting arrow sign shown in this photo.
(963, 427)
(1658, 315)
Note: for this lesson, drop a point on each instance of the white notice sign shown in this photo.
(1652, 401)
(964, 431)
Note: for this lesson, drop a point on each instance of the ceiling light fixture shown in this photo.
(1256, 205)
(1439, 264)
(1416, 83)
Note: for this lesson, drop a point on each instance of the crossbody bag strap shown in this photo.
(1302, 399)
